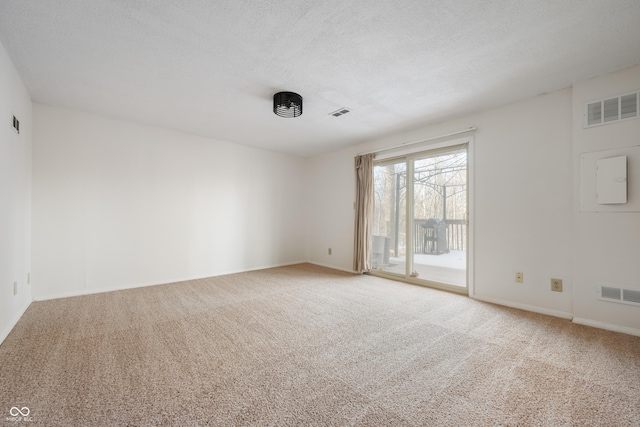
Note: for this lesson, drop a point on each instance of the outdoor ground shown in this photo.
(449, 268)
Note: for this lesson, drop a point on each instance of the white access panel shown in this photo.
(611, 180)
(590, 198)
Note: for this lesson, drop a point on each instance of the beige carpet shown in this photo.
(305, 345)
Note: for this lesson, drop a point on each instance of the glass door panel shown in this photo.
(439, 218)
(389, 235)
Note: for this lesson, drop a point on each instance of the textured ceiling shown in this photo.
(211, 67)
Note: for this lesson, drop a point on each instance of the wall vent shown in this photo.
(619, 294)
(16, 125)
(611, 110)
(340, 112)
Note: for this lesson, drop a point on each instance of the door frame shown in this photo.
(410, 154)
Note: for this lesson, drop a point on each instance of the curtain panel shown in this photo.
(364, 213)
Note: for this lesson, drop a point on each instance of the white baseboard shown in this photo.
(607, 326)
(526, 307)
(145, 284)
(4, 334)
(333, 267)
(563, 315)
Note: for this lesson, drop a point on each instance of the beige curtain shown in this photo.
(364, 213)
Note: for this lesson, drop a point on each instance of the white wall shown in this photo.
(607, 246)
(15, 196)
(119, 205)
(331, 209)
(523, 201)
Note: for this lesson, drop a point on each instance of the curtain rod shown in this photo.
(471, 129)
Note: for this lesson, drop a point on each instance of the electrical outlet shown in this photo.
(556, 285)
(330, 251)
(519, 277)
(15, 288)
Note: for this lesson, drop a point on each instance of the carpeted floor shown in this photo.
(305, 345)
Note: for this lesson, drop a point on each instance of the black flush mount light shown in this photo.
(287, 104)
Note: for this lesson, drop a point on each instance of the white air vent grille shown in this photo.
(629, 106)
(618, 294)
(16, 125)
(340, 112)
(631, 296)
(611, 293)
(612, 110)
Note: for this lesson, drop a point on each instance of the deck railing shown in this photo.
(456, 235)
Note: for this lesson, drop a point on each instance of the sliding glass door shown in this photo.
(389, 231)
(420, 218)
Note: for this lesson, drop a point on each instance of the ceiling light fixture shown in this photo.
(287, 104)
